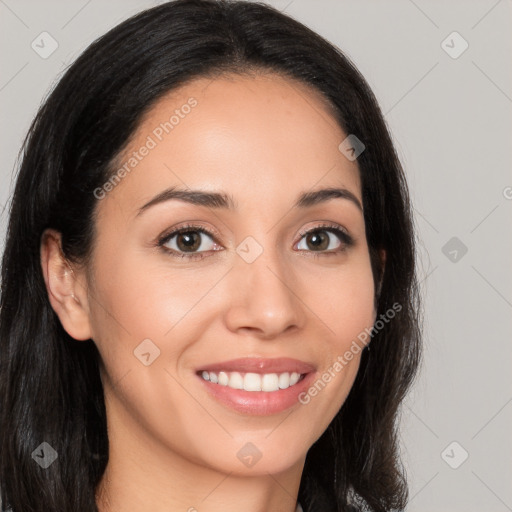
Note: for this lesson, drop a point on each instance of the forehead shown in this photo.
(265, 134)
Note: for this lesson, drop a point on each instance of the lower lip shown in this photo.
(260, 403)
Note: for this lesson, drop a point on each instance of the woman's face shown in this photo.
(163, 308)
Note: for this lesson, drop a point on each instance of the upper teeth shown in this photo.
(253, 381)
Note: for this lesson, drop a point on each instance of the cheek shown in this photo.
(346, 304)
(346, 307)
(133, 301)
(144, 300)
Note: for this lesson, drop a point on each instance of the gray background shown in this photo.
(451, 120)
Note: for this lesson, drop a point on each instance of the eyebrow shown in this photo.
(222, 200)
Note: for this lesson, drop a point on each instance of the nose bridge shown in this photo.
(262, 289)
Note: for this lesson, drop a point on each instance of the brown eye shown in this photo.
(325, 239)
(317, 241)
(189, 241)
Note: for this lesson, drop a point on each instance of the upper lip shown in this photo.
(260, 365)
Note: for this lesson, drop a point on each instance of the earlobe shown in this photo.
(67, 295)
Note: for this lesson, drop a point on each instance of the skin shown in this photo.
(264, 140)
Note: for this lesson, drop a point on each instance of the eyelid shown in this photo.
(327, 225)
(168, 234)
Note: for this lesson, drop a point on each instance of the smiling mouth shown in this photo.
(248, 381)
(256, 385)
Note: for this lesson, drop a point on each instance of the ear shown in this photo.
(67, 290)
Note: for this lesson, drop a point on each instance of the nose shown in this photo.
(264, 298)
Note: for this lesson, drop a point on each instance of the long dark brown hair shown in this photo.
(50, 389)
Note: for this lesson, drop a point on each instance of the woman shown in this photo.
(209, 299)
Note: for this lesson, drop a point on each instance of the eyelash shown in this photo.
(342, 235)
